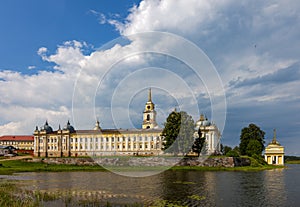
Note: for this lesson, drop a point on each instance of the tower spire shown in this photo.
(149, 95)
(149, 114)
(274, 137)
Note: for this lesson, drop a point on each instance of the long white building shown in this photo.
(68, 142)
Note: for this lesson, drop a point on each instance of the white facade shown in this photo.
(97, 142)
(211, 133)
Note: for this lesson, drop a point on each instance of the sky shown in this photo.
(235, 61)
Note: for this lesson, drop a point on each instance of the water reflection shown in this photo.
(278, 187)
(274, 186)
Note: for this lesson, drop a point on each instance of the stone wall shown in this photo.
(151, 161)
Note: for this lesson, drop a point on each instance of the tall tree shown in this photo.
(198, 143)
(170, 132)
(178, 133)
(186, 133)
(251, 140)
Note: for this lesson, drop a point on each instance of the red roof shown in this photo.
(16, 138)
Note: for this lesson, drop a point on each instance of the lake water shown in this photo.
(278, 187)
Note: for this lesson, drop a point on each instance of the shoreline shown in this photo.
(11, 166)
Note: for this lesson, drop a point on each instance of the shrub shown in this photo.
(232, 153)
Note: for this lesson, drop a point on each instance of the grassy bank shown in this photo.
(14, 166)
(293, 162)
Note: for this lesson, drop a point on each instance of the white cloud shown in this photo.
(42, 51)
(22, 120)
(31, 67)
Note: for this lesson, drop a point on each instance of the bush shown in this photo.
(259, 159)
(232, 153)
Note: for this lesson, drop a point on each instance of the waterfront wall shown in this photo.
(151, 161)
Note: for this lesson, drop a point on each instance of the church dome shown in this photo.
(69, 127)
(203, 121)
(47, 128)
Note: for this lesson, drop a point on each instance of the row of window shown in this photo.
(102, 139)
(14, 142)
(112, 147)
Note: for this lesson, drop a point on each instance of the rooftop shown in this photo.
(16, 138)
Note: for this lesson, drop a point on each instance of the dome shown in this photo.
(47, 128)
(69, 127)
(203, 121)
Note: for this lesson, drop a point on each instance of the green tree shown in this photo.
(171, 131)
(251, 140)
(254, 148)
(178, 133)
(225, 149)
(186, 133)
(198, 143)
(232, 153)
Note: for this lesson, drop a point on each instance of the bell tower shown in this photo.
(149, 114)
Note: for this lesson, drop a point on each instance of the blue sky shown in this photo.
(28, 25)
(61, 60)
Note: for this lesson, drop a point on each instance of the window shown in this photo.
(141, 138)
(148, 117)
(96, 139)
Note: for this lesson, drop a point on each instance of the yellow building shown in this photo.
(20, 142)
(97, 142)
(274, 152)
(69, 142)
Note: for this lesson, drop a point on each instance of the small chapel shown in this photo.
(274, 152)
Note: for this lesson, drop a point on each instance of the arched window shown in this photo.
(148, 117)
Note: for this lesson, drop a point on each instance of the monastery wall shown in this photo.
(151, 161)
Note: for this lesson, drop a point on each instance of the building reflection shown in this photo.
(274, 185)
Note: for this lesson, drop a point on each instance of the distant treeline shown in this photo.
(291, 158)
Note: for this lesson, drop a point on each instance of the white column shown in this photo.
(126, 142)
(143, 143)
